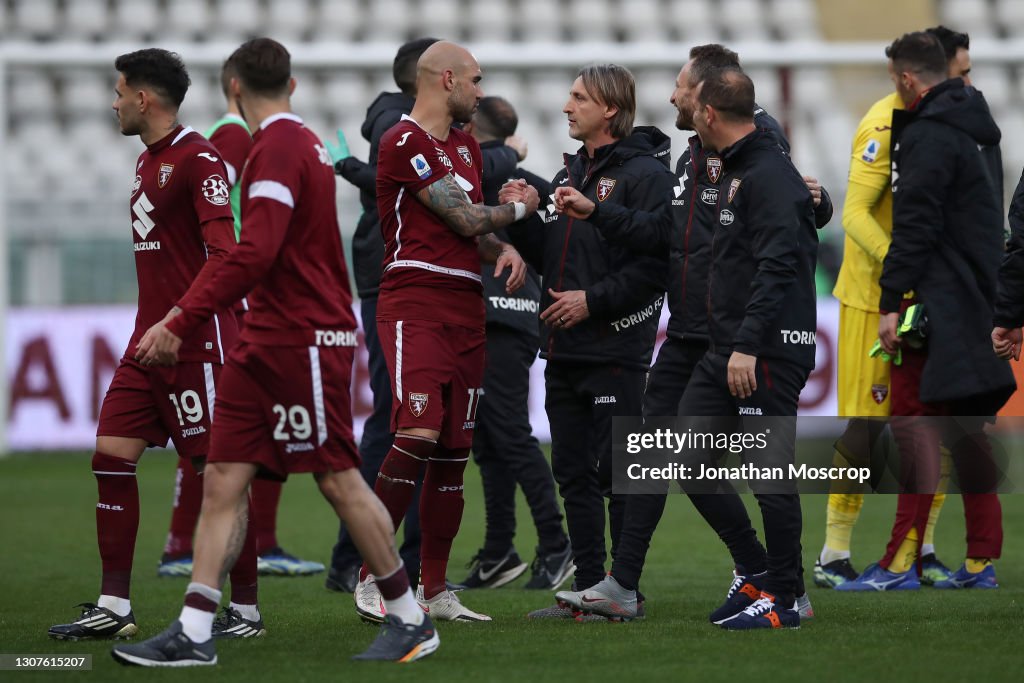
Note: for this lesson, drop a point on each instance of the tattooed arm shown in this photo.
(452, 204)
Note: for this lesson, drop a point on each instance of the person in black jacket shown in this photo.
(503, 443)
(367, 257)
(601, 306)
(1007, 337)
(947, 244)
(683, 227)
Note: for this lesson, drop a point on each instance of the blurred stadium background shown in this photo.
(817, 66)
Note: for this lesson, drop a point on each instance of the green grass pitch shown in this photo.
(49, 562)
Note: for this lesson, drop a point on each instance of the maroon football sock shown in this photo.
(394, 585)
(117, 521)
(188, 499)
(441, 504)
(266, 495)
(244, 577)
(396, 482)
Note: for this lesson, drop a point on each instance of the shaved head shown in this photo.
(445, 56)
(449, 73)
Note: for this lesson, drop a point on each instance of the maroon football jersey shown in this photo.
(430, 271)
(179, 185)
(233, 141)
(290, 260)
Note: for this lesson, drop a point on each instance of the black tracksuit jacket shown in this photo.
(624, 287)
(683, 226)
(761, 296)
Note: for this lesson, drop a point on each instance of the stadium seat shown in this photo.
(30, 90)
(506, 84)
(86, 19)
(86, 90)
(238, 19)
(767, 86)
(136, 19)
(306, 100)
(743, 20)
(1009, 16)
(694, 20)
(439, 18)
(971, 16)
(589, 21)
(642, 20)
(540, 21)
(289, 20)
(204, 99)
(188, 20)
(795, 19)
(490, 22)
(389, 21)
(344, 92)
(994, 81)
(36, 19)
(654, 88)
(1011, 123)
(811, 85)
(339, 20)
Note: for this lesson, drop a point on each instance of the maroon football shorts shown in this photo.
(157, 404)
(437, 373)
(287, 409)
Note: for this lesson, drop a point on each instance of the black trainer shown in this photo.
(401, 642)
(551, 571)
(342, 580)
(231, 624)
(170, 648)
(486, 573)
(96, 622)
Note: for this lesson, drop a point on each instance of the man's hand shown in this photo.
(339, 150)
(572, 203)
(510, 258)
(518, 144)
(159, 346)
(741, 377)
(1007, 342)
(887, 333)
(570, 309)
(815, 187)
(519, 190)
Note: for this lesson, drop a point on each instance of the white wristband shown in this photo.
(520, 208)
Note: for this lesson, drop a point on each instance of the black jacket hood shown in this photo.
(385, 102)
(960, 106)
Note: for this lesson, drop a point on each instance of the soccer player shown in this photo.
(863, 381)
(947, 243)
(430, 314)
(503, 444)
(386, 110)
(182, 232)
(232, 138)
(284, 403)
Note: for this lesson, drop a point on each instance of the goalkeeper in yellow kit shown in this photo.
(863, 383)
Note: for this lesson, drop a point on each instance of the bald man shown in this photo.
(430, 312)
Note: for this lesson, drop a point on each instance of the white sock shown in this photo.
(829, 555)
(119, 606)
(927, 549)
(250, 612)
(197, 624)
(405, 608)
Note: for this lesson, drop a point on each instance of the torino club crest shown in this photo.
(714, 168)
(164, 174)
(466, 156)
(418, 403)
(604, 188)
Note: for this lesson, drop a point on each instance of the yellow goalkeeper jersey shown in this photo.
(867, 212)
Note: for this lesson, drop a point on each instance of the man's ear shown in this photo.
(291, 86)
(610, 112)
